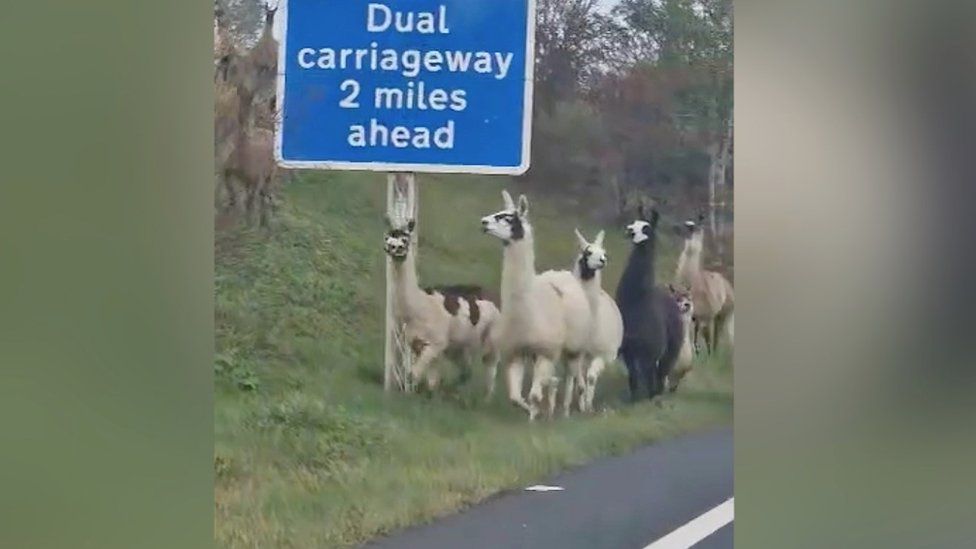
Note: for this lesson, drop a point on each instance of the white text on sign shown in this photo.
(409, 63)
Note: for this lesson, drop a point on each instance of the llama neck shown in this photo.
(518, 268)
(686, 323)
(640, 265)
(592, 286)
(408, 291)
(689, 264)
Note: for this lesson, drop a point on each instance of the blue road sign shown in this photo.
(406, 85)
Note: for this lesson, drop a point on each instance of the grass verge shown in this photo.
(309, 451)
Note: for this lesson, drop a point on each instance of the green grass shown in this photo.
(309, 451)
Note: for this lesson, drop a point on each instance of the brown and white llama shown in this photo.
(544, 318)
(438, 320)
(608, 326)
(686, 356)
(711, 293)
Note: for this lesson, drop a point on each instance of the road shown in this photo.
(615, 503)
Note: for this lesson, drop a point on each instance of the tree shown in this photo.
(694, 35)
(574, 43)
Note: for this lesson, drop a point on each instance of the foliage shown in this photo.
(655, 81)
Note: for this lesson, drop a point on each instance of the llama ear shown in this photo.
(672, 289)
(509, 203)
(641, 212)
(582, 241)
(411, 224)
(654, 217)
(599, 238)
(523, 206)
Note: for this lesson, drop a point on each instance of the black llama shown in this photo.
(652, 322)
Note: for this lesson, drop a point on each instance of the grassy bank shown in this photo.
(309, 450)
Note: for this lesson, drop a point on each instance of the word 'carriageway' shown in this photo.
(418, 85)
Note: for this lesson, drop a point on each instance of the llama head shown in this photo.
(396, 242)
(682, 296)
(642, 229)
(592, 257)
(693, 233)
(269, 13)
(509, 224)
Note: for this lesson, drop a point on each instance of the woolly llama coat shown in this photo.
(652, 322)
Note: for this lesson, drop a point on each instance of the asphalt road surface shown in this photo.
(625, 502)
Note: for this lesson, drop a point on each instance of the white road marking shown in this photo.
(543, 488)
(698, 529)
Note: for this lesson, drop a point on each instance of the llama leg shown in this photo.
(491, 370)
(650, 366)
(707, 336)
(542, 374)
(716, 323)
(574, 378)
(592, 376)
(249, 201)
(419, 367)
(433, 377)
(230, 186)
(552, 390)
(515, 377)
(633, 372)
(569, 388)
(730, 328)
(675, 377)
(265, 207)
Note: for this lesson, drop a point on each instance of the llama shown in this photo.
(544, 318)
(245, 93)
(246, 158)
(686, 356)
(441, 319)
(608, 326)
(264, 58)
(710, 291)
(652, 323)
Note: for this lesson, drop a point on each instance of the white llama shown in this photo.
(455, 318)
(686, 355)
(608, 326)
(544, 318)
(711, 293)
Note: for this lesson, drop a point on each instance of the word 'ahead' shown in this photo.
(406, 85)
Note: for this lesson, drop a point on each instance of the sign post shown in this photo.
(401, 207)
(405, 86)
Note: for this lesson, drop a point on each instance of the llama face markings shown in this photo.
(505, 225)
(683, 298)
(593, 256)
(396, 243)
(639, 231)
(591, 259)
(508, 224)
